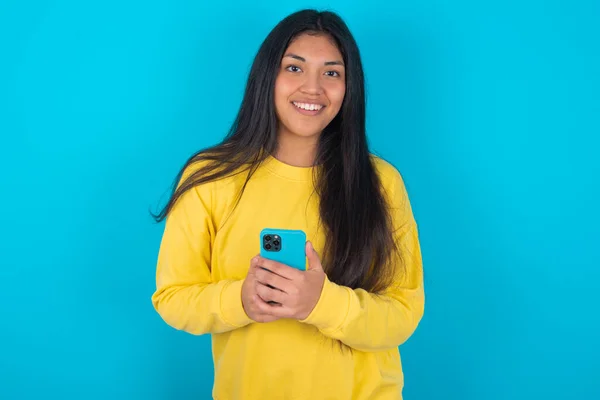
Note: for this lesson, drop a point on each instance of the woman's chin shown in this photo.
(304, 131)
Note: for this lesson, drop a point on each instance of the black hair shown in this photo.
(359, 242)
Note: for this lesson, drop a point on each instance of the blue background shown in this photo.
(489, 109)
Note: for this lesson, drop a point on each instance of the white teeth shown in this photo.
(309, 107)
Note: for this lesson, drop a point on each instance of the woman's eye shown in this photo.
(333, 73)
(293, 68)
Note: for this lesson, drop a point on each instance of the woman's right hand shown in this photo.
(251, 301)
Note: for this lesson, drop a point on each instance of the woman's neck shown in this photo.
(297, 151)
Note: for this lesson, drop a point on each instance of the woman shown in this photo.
(296, 158)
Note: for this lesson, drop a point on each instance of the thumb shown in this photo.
(314, 262)
(253, 265)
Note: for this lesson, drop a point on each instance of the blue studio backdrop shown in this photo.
(489, 109)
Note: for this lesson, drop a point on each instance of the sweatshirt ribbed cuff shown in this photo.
(232, 309)
(332, 308)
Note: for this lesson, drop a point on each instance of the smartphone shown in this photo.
(286, 246)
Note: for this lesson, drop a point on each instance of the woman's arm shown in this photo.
(369, 322)
(185, 296)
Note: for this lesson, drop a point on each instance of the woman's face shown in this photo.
(310, 86)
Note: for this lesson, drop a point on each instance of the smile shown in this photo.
(308, 108)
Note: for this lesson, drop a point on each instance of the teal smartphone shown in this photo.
(286, 246)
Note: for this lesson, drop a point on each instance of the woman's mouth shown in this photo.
(308, 108)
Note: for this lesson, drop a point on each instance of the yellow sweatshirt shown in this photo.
(205, 254)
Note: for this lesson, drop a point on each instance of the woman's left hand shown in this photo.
(295, 292)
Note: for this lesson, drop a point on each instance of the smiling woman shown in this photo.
(312, 80)
(331, 331)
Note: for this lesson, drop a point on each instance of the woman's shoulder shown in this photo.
(387, 172)
(205, 167)
(394, 187)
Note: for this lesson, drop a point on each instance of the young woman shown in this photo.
(296, 158)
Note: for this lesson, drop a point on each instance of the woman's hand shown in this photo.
(295, 292)
(251, 301)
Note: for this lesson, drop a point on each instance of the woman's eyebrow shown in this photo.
(297, 57)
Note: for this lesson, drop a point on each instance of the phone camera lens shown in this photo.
(268, 247)
(276, 242)
(268, 238)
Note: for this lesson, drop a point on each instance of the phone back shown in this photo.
(286, 246)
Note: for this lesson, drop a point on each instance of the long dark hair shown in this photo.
(360, 245)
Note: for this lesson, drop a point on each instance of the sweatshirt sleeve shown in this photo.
(369, 322)
(186, 298)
